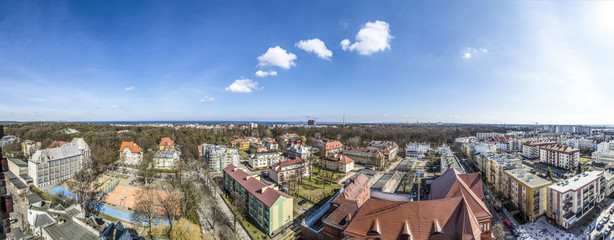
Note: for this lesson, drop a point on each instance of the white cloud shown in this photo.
(373, 37)
(261, 73)
(207, 99)
(277, 56)
(469, 53)
(315, 46)
(242, 86)
(129, 88)
(115, 107)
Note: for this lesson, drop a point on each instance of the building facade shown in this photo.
(571, 200)
(530, 149)
(130, 154)
(298, 150)
(415, 149)
(373, 157)
(264, 159)
(289, 170)
(388, 148)
(559, 155)
(481, 136)
(218, 156)
(528, 191)
(49, 166)
(338, 162)
(166, 159)
(269, 208)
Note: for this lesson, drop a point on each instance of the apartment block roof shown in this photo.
(576, 182)
(538, 142)
(261, 191)
(45, 155)
(527, 178)
(339, 158)
(559, 148)
(132, 146)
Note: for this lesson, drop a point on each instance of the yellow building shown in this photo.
(527, 191)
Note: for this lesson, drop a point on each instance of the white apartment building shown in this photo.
(559, 155)
(264, 159)
(48, 166)
(415, 149)
(572, 199)
(218, 156)
(482, 136)
(130, 154)
(444, 150)
(604, 153)
(530, 149)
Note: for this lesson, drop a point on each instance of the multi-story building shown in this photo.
(243, 143)
(49, 221)
(6, 200)
(289, 170)
(83, 147)
(388, 148)
(130, 154)
(482, 136)
(365, 156)
(444, 150)
(415, 149)
(257, 148)
(218, 156)
(328, 146)
(571, 200)
(338, 162)
(270, 144)
(290, 137)
(17, 175)
(48, 166)
(166, 159)
(604, 153)
(450, 161)
(528, 191)
(530, 149)
(559, 155)
(269, 208)
(298, 150)
(499, 163)
(264, 159)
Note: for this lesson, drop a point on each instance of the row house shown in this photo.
(559, 155)
(270, 209)
(264, 159)
(289, 170)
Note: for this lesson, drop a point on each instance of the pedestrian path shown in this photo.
(541, 229)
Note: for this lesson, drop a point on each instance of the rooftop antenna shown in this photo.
(343, 120)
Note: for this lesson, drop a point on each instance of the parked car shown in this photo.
(611, 211)
(497, 208)
(302, 202)
(600, 225)
(606, 233)
(507, 223)
(487, 197)
(611, 225)
(514, 232)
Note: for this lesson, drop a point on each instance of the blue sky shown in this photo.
(449, 61)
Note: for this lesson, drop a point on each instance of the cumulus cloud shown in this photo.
(206, 99)
(129, 88)
(315, 46)
(373, 37)
(277, 56)
(242, 86)
(115, 107)
(261, 73)
(469, 53)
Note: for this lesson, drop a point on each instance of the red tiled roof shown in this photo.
(269, 196)
(560, 148)
(332, 144)
(347, 203)
(469, 185)
(167, 143)
(57, 144)
(290, 161)
(340, 158)
(132, 146)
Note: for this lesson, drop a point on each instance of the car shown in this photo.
(606, 233)
(514, 232)
(611, 211)
(507, 223)
(611, 225)
(497, 208)
(302, 202)
(599, 226)
(488, 197)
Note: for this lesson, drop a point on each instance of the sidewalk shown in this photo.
(241, 233)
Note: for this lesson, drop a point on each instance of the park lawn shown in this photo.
(585, 160)
(316, 189)
(317, 171)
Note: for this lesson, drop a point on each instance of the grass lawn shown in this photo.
(584, 160)
(48, 197)
(316, 171)
(316, 189)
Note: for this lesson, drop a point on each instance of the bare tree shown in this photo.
(169, 201)
(238, 211)
(498, 231)
(145, 207)
(83, 187)
(146, 168)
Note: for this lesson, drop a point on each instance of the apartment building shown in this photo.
(530, 149)
(270, 144)
(264, 159)
(166, 159)
(338, 162)
(48, 166)
(528, 191)
(559, 155)
(481, 136)
(29, 147)
(444, 150)
(218, 156)
(269, 208)
(243, 143)
(498, 163)
(328, 146)
(571, 200)
(130, 154)
(388, 148)
(365, 156)
(167, 144)
(604, 153)
(415, 149)
(290, 169)
(298, 150)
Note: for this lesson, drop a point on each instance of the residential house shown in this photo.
(572, 199)
(298, 150)
(415, 149)
(258, 148)
(270, 144)
(130, 154)
(365, 156)
(559, 155)
(338, 162)
(56, 222)
(166, 159)
(388, 148)
(264, 159)
(29, 147)
(167, 144)
(288, 170)
(270, 209)
(528, 191)
(328, 146)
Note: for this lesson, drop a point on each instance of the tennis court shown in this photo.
(125, 196)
